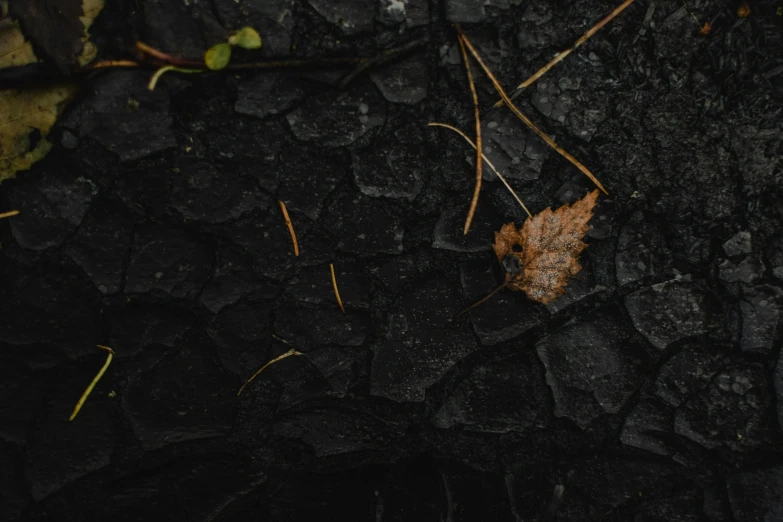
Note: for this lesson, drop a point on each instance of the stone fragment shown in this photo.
(338, 119)
(403, 82)
(503, 396)
(591, 367)
(670, 311)
(351, 16)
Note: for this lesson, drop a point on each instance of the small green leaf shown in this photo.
(217, 57)
(246, 38)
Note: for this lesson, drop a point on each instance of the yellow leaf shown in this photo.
(22, 113)
(14, 49)
(90, 9)
(246, 38)
(217, 57)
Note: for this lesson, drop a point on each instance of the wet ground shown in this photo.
(651, 391)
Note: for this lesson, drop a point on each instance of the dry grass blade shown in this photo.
(498, 174)
(561, 56)
(9, 214)
(525, 119)
(290, 227)
(163, 70)
(289, 353)
(336, 291)
(479, 163)
(97, 378)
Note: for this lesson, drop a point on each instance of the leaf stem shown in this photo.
(486, 298)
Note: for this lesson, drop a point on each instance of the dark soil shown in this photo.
(651, 391)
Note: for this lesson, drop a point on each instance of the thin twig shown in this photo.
(160, 72)
(290, 227)
(336, 291)
(289, 353)
(298, 63)
(361, 63)
(525, 119)
(498, 174)
(383, 57)
(147, 57)
(9, 214)
(97, 378)
(561, 56)
(165, 57)
(112, 63)
(479, 163)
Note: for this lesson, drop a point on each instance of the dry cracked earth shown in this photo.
(651, 391)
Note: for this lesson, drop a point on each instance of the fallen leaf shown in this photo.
(60, 28)
(743, 11)
(54, 26)
(543, 255)
(14, 49)
(24, 116)
(90, 10)
(246, 38)
(705, 29)
(217, 56)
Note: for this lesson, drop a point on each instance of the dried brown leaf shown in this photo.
(543, 255)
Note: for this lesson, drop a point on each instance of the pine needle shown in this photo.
(479, 163)
(289, 353)
(336, 291)
(525, 119)
(97, 378)
(9, 214)
(102, 64)
(561, 56)
(498, 174)
(290, 227)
